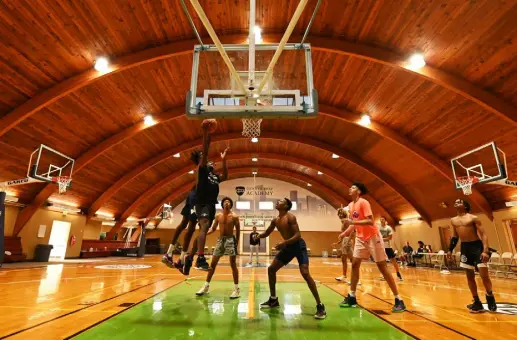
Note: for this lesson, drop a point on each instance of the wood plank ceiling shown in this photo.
(44, 43)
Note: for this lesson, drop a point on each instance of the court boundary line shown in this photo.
(80, 309)
(377, 316)
(122, 311)
(425, 318)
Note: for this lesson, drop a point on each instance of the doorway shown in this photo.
(59, 240)
(445, 237)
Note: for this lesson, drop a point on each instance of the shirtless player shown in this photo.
(292, 246)
(474, 253)
(226, 245)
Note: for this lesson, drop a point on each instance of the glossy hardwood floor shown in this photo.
(60, 300)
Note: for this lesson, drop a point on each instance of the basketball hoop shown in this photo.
(63, 182)
(251, 127)
(466, 182)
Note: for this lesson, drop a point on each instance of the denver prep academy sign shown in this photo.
(254, 191)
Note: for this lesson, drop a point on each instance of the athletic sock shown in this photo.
(398, 297)
(273, 297)
(352, 294)
(171, 248)
(182, 256)
(237, 286)
(207, 284)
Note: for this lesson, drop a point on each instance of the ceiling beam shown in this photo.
(242, 156)
(486, 99)
(328, 194)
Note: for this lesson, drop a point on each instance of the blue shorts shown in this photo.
(187, 212)
(297, 249)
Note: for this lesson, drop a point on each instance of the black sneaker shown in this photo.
(320, 312)
(179, 266)
(271, 303)
(490, 300)
(400, 277)
(201, 263)
(349, 301)
(187, 265)
(399, 306)
(476, 307)
(167, 260)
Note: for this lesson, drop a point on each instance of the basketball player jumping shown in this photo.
(387, 235)
(474, 253)
(189, 219)
(207, 190)
(226, 245)
(292, 246)
(368, 242)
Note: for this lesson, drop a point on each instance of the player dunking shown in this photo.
(368, 242)
(292, 246)
(387, 236)
(226, 245)
(207, 190)
(474, 253)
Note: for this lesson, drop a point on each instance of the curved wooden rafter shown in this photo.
(271, 156)
(370, 168)
(456, 84)
(288, 176)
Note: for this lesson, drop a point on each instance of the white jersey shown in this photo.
(386, 231)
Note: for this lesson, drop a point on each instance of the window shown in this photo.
(243, 205)
(293, 208)
(266, 206)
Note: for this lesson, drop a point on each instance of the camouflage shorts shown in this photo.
(225, 245)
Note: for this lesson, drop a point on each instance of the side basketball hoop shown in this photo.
(251, 127)
(466, 183)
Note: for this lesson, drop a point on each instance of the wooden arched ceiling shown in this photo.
(437, 112)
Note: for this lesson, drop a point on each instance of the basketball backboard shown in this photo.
(287, 92)
(482, 165)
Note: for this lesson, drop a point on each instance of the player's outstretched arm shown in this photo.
(224, 177)
(269, 230)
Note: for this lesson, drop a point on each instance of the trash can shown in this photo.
(42, 253)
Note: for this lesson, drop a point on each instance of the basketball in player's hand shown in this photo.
(210, 125)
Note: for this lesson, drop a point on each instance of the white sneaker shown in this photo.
(359, 283)
(204, 290)
(382, 278)
(341, 278)
(236, 293)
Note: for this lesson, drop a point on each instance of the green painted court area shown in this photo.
(178, 314)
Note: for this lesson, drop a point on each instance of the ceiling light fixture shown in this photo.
(320, 173)
(148, 120)
(191, 172)
(254, 159)
(177, 155)
(335, 156)
(415, 62)
(102, 65)
(365, 120)
(410, 220)
(254, 140)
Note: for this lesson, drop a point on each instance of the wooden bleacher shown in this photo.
(103, 248)
(14, 245)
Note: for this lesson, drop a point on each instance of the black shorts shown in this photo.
(297, 249)
(390, 253)
(187, 212)
(205, 211)
(471, 255)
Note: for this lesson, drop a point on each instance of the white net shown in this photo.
(251, 127)
(465, 183)
(64, 183)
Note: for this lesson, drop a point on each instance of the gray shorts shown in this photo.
(226, 245)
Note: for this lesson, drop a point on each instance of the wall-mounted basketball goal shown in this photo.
(252, 81)
(45, 165)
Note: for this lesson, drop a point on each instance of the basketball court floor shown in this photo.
(141, 298)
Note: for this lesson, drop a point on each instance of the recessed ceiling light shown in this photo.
(102, 65)
(254, 140)
(191, 172)
(365, 120)
(335, 156)
(148, 120)
(320, 173)
(253, 172)
(309, 185)
(176, 155)
(416, 61)
(254, 159)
